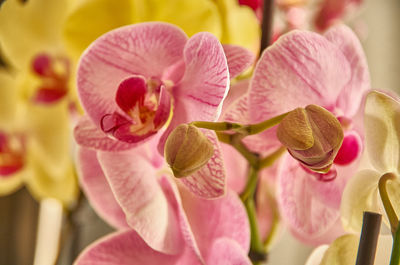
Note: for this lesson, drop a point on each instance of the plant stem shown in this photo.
(250, 185)
(264, 125)
(369, 238)
(266, 25)
(257, 250)
(270, 159)
(393, 219)
(395, 258)
(216, 126)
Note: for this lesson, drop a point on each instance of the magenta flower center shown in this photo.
(53, 72)
(12, 154)
(145, 106)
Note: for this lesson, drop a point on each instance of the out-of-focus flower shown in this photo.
(132, 78)
(135, 188)
(312, 135)
(229, 22)
(382, 137)
(37, 91)
(344, 249)
(304, 68)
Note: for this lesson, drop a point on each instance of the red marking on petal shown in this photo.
(48, 95)
(324, 177)
(350, 149)
(12, 152)
(41, 65)
(110, 122)
(130, 92)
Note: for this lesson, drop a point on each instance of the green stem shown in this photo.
(395, 258)
(216, 126)
(393, 219)
(250, 185)
(270, 159)
(262, 126)
(257, 250)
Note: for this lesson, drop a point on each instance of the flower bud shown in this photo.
(312, 135)
(187, 149)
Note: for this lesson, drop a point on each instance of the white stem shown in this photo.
(48, 234)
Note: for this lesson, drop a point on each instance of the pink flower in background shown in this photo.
(132, 79)
(304, 68)
(170, 225)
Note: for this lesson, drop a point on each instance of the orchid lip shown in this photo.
(12, 152)
(54, 73)
(145, 105)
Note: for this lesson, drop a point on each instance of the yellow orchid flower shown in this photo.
(37, 91)
(231, 23)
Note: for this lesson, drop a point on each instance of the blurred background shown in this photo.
(378, 25)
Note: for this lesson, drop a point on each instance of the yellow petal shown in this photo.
(31, 27)
(10, 184)
(382, 131)
(240, 25)
(92, 18)
(361, 194)
(44, 184)
(343, 251)
(8, 98)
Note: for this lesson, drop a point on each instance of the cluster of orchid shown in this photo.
(198, 152)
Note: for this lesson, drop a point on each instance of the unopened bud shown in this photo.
(187, 149)
(312, 135)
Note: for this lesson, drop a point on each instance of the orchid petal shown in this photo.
(309, 216)
(301, 68)
(88, 135)
(199, 95)
(345, 39)
(316, 255)
(210, 180)
(92, 18)
(342, 251)
(131, 176)
(236, 168)
(383, 144)
(232, 101)
(208, 220)
(8, 98)
(227, 252)
(238, 58)
(361, 194)
(19, 23)
(145, 49)
(97, 189)
(123, 248)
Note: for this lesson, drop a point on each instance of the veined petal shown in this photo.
(301, 68)
(238, 58)
(208, 220)
(132, 178)
(97, 189)
(89, 136)
(345, 39)
(225, 251)
(38, 22)
(123, 248)
(361, 194)
(235, 105)
(236, 168)
(303, 209)
(146, 49)
(205, 84)
(383, 144)
(209, 181)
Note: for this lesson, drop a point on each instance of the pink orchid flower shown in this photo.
(133, 79)
(170, 225)
(304, 68)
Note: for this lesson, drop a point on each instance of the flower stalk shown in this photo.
(393, 219)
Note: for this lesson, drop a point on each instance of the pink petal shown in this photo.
(235, 107)
(238, 58)
(309, 207)
(146, 49)
(225, 251)
(199, 95)
(132, 178)
(88, 135)
(236, 168)
(130, 92)
(123, 248)
(210, 180)
(350, 98)
(301, 68)
(97, 189)
(213, 219)
(164, 108)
